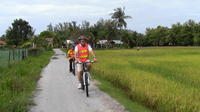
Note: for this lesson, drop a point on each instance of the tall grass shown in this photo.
(164, 79)
(18, 81)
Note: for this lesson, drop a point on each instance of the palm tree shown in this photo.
(119, 17)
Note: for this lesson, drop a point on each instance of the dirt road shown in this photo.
(57, 91)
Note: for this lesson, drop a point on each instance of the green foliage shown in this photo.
(19, 32)
(40, 42)
(26, 45)
(158, 36)
(3, 37)
(18, 82)
(186, 34)
(41, 39)
(164, 79)
(119, 17)
(107, 29)
(46, 34)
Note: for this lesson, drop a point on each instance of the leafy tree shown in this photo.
(19, 32)
(3, 37)
(46, 34)
(127, 38)
(175, 33)
(158, 36)
(106, 29)
(41, 41)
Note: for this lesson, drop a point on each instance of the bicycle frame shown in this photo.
(85, 77)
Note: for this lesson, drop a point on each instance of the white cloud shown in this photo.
(50, 9)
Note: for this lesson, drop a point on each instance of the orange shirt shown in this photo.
(71, 54)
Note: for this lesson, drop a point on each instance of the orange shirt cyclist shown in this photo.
(71, 57)
(82, 51)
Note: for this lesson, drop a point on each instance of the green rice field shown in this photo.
(163, 79)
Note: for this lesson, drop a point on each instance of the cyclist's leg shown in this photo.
(73, 67)
(70, 65)
(79, 73)
(89, 65)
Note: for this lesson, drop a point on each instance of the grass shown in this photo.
(163, 79)
(19, 81)
(120, 95)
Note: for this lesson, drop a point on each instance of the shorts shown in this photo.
(79, 67)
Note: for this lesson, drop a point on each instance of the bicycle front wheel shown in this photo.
(82, 83)
(86, 85)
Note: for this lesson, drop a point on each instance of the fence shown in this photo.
(8, 57)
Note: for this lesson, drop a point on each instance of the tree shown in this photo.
(158, 36)
(42, 39)
(19, 32)
(105, 29)
(119, 17)
(3, 37)
(46, 34)
(85, 25)
(50, 27)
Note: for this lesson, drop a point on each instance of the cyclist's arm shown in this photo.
(92, 52)
(76, 53)
(68, 54)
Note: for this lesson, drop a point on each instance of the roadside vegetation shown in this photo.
(18, 82)
(163, 79)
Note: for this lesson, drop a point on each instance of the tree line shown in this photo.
(185, 34)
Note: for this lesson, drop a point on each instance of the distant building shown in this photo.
(117, 41)
(49, 39)
(69, 42)
(50, 42)
(102, 42)
(2, 43)
(109, 43)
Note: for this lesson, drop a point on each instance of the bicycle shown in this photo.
(85, 77)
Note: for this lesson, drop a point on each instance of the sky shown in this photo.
(144, 13)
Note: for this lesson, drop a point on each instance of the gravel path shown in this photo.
(57, 91)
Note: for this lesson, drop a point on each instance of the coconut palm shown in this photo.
(119, 17)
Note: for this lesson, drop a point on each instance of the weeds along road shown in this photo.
(57, 91)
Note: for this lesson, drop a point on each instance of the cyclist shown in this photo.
(82, 51)
(71, 57)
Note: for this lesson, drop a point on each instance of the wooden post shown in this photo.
(8, 58)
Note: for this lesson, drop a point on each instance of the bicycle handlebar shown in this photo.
(86, 62)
